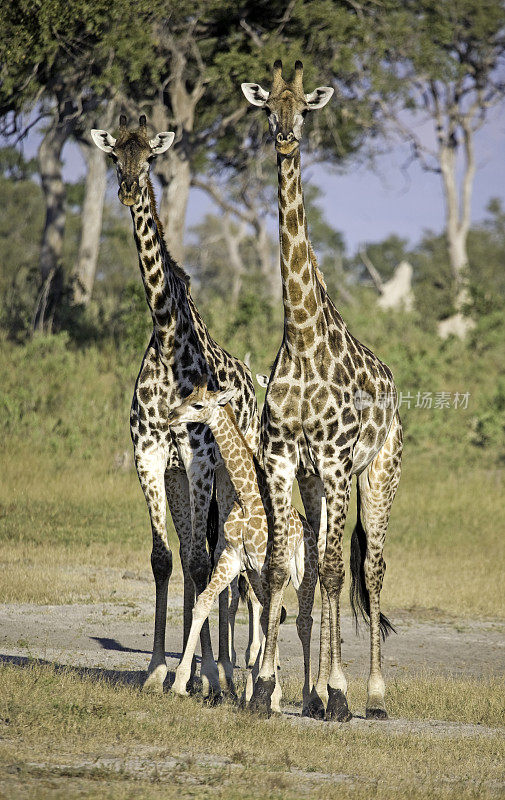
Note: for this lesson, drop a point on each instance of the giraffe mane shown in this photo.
(315, 265)
(231, 415)
(178, 270)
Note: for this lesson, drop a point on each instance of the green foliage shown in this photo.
(421, 362)
(131, 322)
(253, 327)
(86, 46)
(385, 256)
(488, 425)
(14, 166)
(17, 303)
(62, 401)
(20, 227)
(21, 222)
(239, 41)
(432, 278)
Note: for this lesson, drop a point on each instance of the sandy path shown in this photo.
(119, 636)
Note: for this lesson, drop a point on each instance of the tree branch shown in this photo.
(213, 191)
(372, 271)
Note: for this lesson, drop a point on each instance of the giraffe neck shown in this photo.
(301, 289)
(165, 283)
(236, 454)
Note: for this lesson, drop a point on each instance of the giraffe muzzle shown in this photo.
(286, 147)
(129, 195)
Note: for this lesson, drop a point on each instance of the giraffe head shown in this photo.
(132, 152)
(201, 405)
(286, 105)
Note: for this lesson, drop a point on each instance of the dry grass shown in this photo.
(445, 548)
(57, 725)
(426, 696)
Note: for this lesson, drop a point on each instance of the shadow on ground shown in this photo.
(113, 644)
(115, 677)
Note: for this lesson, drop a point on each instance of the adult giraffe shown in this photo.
(179, 468)
(330, 412)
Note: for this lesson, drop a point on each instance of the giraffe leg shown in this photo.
(254, 643)
(332, 576)
(276, 695)
(151, 469)
(319, 695)
(314, 503)
(225, 497)
(234, 599)
(200, 478)
(227, 568)
(177, 491)
(280, 482)
(305, 594)
(377, 488)
(256, 593)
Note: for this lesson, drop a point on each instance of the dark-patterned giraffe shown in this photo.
(179, 468)
(330, 412)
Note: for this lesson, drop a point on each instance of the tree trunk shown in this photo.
(92, 210)
(457, 215)
(50, 169)
(175, 178)
(232, 239)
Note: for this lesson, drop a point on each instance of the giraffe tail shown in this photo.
(213, 525)
(243, 587)
(360, 599)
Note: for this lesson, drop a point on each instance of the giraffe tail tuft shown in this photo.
(360, 599)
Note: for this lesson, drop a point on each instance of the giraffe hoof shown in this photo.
(337, 709)
(226, 679)
(376, 713)
(179, 686)
(194, 685)
(155, 680)
(229, 691)
(213, 698)
(314, 708)
(261, 700)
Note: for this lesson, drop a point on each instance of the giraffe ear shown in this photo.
(262, 380)
(319, 97)
(255, 94)
(161, 142)
(226, 395)
(103, 140)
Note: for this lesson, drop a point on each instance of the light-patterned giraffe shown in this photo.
(182, 468)
(330, 412)
(247, 545)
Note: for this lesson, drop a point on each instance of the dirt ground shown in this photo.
(113, 640)
(118, 636)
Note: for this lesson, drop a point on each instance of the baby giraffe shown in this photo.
(247, 543)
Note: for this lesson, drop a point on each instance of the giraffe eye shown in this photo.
(198, 406)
